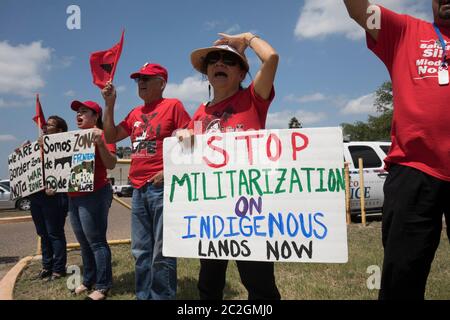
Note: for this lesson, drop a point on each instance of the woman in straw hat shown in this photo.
(234, 108)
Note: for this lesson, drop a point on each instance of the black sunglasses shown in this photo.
(228, 58)
(145, 78)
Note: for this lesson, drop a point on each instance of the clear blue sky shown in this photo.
(326, 74)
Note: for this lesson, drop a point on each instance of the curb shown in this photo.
(110, 242)
(9, 280)
(15, 219)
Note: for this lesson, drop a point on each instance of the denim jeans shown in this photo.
(49, 216)
(89, 218)
(156, 276)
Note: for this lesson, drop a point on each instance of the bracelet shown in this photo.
(249, 41)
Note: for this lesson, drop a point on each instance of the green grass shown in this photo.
(296, 281)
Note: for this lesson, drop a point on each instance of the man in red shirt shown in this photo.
(417, 190)
(147, 126)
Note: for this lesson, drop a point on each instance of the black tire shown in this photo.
(119, 194)
(23, 204)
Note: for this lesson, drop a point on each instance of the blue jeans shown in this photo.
(156, 276)
(49, 216)
(89, 218)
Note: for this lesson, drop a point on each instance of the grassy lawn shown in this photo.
(296, 281)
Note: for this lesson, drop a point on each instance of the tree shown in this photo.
(294, 123)
(123, 152)
(384, 97)
(376, 127)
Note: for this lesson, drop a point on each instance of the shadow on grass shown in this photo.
(6, 260)
(369, 218)
(187, 290)
(124, 284)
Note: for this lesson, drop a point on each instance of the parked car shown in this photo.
(5, 183)
(373, 154)
(7, 203)
(123, 190)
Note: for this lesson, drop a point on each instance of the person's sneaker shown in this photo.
(43, 274)
(56, 276)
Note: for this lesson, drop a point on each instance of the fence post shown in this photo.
(347, 192)
(362, 191)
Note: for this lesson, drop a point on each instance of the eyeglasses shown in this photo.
(228, 58)
(146, 78)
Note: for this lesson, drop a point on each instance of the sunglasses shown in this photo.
(228, 58)
(145, 79)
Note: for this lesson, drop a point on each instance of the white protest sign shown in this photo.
(69, 161)
(270, 195)
(25, 171)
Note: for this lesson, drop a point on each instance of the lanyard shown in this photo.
(443, 44)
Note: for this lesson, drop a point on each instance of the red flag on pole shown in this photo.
(39, 117)
(104, 63)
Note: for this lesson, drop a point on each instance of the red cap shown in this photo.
(151, 69)
(88, 104)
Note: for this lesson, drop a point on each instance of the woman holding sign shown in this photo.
(49, 212)
(234, 108)
(89, 211)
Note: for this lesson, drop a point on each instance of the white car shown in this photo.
(7, 203)
(123, 190)
(373, 154)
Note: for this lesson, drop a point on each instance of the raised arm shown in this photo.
(269, 57)
(109, 159)
(112, 132)
(360, 12)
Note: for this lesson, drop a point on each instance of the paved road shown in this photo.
(19, 240)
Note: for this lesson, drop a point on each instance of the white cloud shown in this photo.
(327, 17)
(7, 137)
(210, 25)
(15, 103)
(233, 29)
(66, 61)
(191, 91)
(361, 105)
(121, 88)
(69, 93)
(315, 97)
(22, 67)
(280, 120)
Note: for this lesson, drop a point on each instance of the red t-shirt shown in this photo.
(147, 126)
(100, 174)
(420, 135)
(243, 111)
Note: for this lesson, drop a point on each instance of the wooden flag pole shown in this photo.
(347, 192)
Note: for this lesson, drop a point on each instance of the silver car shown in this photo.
(7, 203)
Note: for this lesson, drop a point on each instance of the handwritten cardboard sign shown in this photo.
(69, 161)
(25, 171)
(271, 195)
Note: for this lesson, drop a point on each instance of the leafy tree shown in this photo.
(294, 123)
(376, 127)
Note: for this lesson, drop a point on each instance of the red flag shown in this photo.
(39, 117)
(104, 63)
